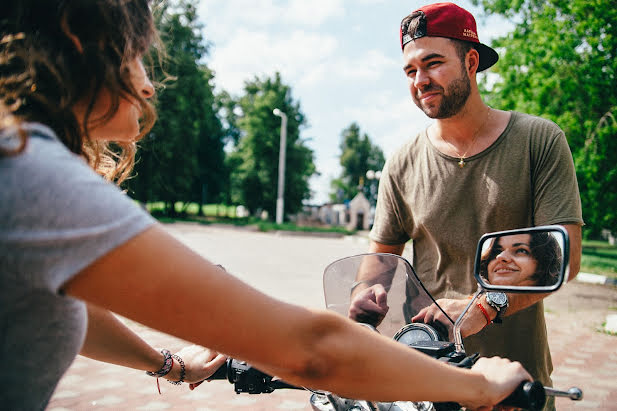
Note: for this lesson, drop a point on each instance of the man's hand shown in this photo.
(473, 322)
(370, 305)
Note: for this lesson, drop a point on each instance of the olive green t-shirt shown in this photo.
(525, 178)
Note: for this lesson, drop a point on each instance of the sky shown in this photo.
(341, 58)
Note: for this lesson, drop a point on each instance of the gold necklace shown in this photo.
(461, 161)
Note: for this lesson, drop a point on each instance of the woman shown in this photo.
(74, 248)
(532, 259)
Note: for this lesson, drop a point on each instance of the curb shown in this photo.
(595, 279)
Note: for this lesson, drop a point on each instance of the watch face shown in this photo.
(500, 299)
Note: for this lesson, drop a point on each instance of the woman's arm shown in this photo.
(156, 280)
(109, 340)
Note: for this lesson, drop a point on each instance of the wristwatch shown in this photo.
(499, 301)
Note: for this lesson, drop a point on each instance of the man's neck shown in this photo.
(464, 126)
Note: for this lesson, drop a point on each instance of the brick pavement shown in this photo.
(582, 356)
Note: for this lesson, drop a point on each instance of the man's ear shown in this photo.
(472, 61)
(64, 25)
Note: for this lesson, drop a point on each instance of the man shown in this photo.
(475, 169)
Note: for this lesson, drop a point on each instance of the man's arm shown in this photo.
(369, 292)
(375, 247)
(574, 232)
(366, 274)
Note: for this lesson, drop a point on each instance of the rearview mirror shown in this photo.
(529, 260)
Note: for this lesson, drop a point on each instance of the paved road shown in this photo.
(290, 268)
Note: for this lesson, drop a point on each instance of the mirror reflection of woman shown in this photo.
(532, 259)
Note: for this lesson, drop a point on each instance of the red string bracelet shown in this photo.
(488, 317)
(158, 386)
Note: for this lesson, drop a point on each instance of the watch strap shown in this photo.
(497, 319)
(501, 309)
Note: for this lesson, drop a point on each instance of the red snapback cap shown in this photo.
(451, 21)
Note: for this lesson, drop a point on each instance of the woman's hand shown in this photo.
(199, 363)
(503, 377)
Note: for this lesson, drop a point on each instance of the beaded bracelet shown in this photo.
(182, 370)
(167, 364)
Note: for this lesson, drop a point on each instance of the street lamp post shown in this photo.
(370, 176)
(280, 203)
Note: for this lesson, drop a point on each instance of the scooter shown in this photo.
(347, 279)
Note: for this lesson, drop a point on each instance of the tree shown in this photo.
(597, 174)
(560, 62)
(182, 159)
(254, 161)
(358, 155)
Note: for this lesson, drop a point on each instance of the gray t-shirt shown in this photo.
(57, 216)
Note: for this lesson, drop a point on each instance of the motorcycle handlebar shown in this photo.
(528, 395)
(248, 379)
(222, 373)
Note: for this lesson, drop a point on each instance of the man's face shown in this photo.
(437, 79)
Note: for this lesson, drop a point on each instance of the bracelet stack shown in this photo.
(168, 364)
(182, 370)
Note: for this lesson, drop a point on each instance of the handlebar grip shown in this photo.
(221, 373)
(529, 395)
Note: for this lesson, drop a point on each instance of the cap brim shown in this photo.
(488, 56)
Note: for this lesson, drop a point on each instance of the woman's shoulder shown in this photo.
(49, 182)
(43, 160)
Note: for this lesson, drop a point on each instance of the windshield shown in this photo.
(386, 283)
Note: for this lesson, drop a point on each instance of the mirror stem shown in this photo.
(458, 339)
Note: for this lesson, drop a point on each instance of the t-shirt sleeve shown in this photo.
(388, 227)
(57, 215)
(556, 193)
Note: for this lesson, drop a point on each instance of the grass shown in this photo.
(599, 257)
(223, 214)
(192, 209)
(270, 226)
(603, 330)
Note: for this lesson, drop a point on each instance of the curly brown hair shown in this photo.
(43, 74)
(544, 249)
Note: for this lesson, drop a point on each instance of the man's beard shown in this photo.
(453, 99)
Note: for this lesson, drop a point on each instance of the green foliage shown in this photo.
(560, 62)
(182, 158)
(254, 160)
(599, 258)
(598, 175)
(358, 155)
